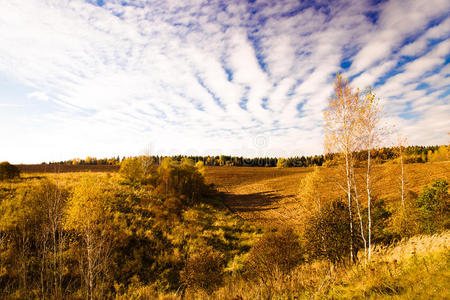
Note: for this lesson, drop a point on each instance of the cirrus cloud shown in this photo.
(207, 77)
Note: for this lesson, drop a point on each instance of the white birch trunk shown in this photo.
(349, 196)
(369, 200)
(403, 181)
(360, 218)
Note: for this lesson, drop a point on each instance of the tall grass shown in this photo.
(417, 268)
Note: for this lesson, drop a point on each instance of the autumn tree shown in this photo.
(87, 217)
(441, 154)
(371, 136)
(173, 178)
(19, 223)
(342, 135)
(137, 169)
(51, 199)
(282, 163)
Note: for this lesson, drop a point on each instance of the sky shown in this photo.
(250, 78)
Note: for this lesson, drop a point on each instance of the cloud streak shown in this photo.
(208, 77)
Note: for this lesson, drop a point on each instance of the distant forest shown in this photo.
(414, 154)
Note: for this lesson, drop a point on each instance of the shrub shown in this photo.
(178, 179)
(8, 171)
(433, 206)
(404, 221)
(380, 218)
(203, 271)
(328, 235)
(275, 252)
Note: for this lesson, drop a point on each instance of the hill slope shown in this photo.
(265, 195)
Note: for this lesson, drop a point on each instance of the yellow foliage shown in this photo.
(308, 191)
(282, 163)
(201, 168)
(87, 204)
(136, 169)
(442, 154)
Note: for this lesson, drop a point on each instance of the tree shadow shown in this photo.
(251, 202)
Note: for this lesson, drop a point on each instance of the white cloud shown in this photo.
(199, 76)
(398, 20)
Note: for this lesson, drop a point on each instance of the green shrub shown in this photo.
(433, 206)
(8, 171)
(380, 219)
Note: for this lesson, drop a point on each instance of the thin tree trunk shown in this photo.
(24, 264)
(359, 216)
(89, 258)
(403, 181)
(369, 200)
(55, 283)
(42, 271)
(60, 259)
(349, 189)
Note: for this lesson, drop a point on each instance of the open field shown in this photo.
(268, 195)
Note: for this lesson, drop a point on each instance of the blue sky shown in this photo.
(107, 78)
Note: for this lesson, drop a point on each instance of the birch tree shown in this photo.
(372, 134)
(87, 216)
(401, 144)
(51, 200)
(342, 134)
(358, 210)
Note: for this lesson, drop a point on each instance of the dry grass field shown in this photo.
(269, 195)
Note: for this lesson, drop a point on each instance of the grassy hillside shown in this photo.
(93, 235)
(418, 268)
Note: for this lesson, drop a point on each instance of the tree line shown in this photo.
(413, 154)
